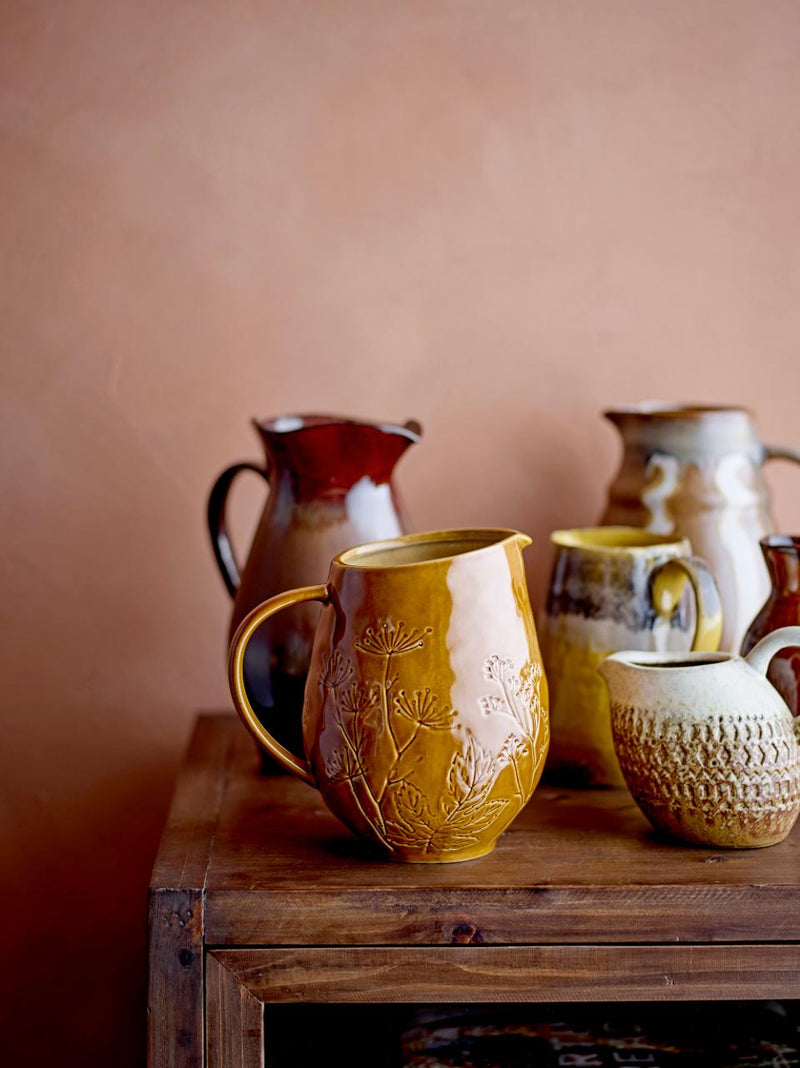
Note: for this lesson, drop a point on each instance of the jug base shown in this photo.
(451, 857)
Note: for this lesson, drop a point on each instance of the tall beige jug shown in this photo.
(695, 471)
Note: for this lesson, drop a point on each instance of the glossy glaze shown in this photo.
(425, 720)
(781, 609)
(613, 588)
(330, 488)
(707, 746)
(695, 471)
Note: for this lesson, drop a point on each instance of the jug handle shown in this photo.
(781, 452)
(665, 596)
(247, 629)
(220, 542)
(761, 654)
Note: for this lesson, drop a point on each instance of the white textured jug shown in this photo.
(707, 746)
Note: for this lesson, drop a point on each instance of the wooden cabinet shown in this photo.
(260, 898)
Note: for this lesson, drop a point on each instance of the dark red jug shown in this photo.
(331, 488)
(781, 609)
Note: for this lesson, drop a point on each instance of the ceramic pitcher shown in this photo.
(696, 472)
(425, 719)
(614, 588)
(781, 609)
(331, 487)
(707, 746)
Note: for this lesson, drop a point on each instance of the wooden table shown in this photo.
(259, 897)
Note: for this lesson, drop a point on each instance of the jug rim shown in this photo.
(675, 410)
(484, 539)
(631, 539)
(675, 660)
(292, 422)
(789, 543)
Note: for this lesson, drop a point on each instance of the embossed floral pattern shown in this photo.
(380, 741)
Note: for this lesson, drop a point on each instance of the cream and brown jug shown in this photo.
(613, 588)
(425, 721)
(695, 471)
(707, 746)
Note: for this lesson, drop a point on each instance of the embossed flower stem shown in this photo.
(410, 741)
(367, 790)
(510, 699)
(516, 776)
(386, 706)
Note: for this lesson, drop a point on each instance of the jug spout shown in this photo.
(614, 669)
(327, 455)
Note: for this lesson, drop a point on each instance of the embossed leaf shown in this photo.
(403, 834)
(478, 817)
(412, 806)
(466, 825)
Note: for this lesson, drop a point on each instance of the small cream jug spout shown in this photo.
(707, 746)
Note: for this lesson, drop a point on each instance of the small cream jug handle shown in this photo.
(249, 625)
(666, 587)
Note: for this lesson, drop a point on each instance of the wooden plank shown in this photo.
(517, 974)
(177, 900)
(235, 1020)
(175, 975)
(185, 847)
(496, 915)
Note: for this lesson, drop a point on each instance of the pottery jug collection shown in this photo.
(408, 686)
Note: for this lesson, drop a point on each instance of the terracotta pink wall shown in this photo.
(494, 217)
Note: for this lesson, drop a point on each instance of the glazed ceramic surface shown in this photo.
(425, 720)
(696, 472)
(614, 588)
(330, 488)
(782, 609)
(707, 746)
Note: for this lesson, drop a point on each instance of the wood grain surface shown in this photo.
(516, 973)
(176, 903)
(577, 866)
(235, 1020)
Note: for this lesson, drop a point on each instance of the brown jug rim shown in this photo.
(675, 410)
(789, 543)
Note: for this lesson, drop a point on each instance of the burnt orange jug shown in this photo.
(331, 487)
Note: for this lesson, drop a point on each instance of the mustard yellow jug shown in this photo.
(425, 721)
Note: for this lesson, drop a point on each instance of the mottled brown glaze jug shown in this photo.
(331, 487)
(782, 609)
(425, 719)
(695, 471)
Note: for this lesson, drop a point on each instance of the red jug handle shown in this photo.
(220, 542)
